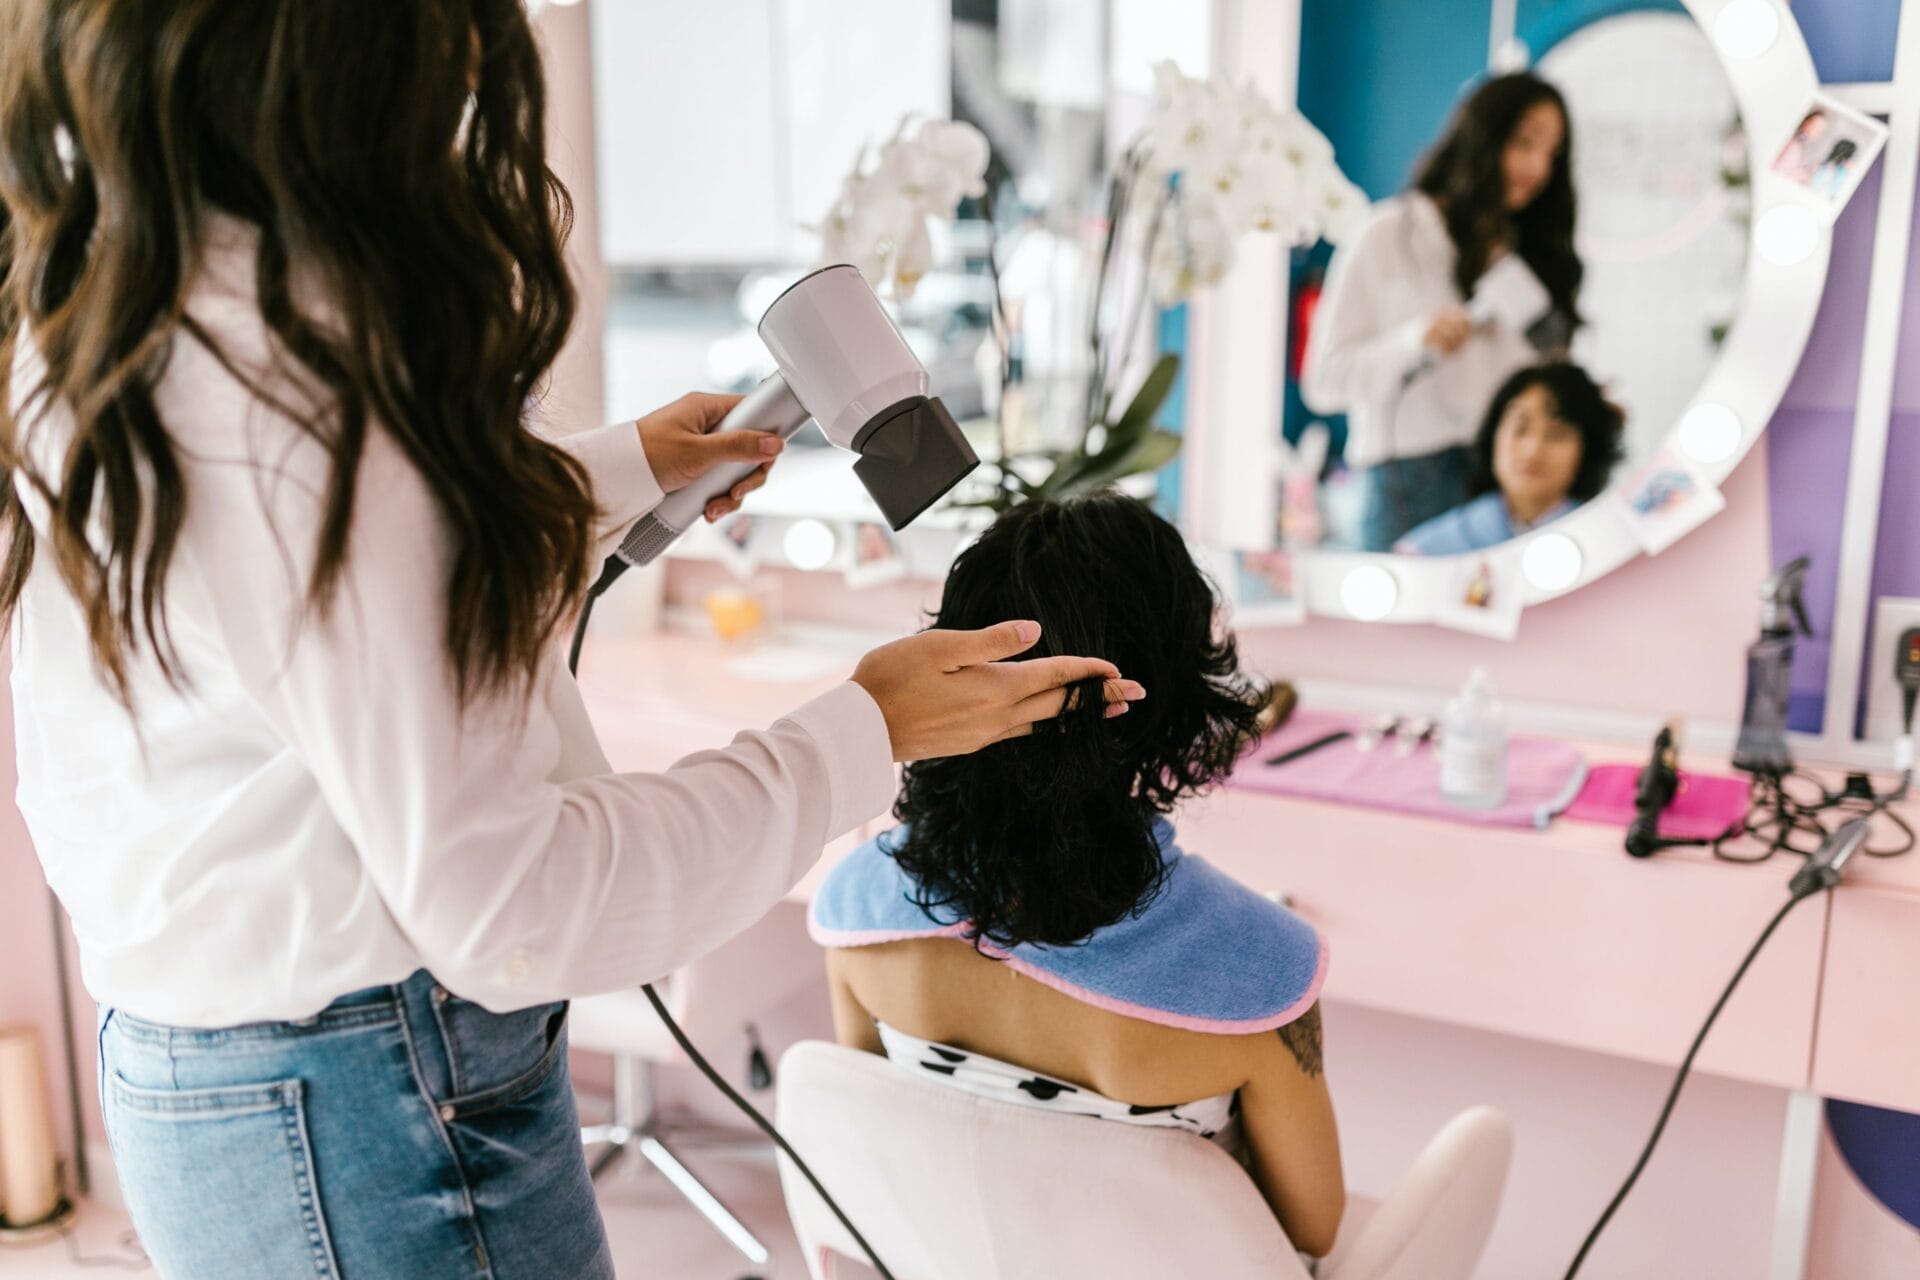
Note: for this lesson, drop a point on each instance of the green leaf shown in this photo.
(1139, 414)
(1149, 453)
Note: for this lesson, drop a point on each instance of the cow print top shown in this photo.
(1215, 1119)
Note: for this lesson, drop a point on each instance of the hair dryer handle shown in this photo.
(771, 406)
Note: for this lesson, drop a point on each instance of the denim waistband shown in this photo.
(368, 1006)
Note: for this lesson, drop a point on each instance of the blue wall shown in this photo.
(1851, 40)
(1542, 24)
(1379, 76)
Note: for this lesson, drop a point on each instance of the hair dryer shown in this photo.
(843, 364)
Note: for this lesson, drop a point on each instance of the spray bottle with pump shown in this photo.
(1762, 748)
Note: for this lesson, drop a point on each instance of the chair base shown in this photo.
(632, 1098)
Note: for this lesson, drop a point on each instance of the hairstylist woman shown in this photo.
(285, 571)
(1392, 344)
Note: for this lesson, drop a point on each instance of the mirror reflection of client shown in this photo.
(1549, 442)
(1033, 933)
(1393, 344)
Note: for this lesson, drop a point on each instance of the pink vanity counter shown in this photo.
(1551, 935)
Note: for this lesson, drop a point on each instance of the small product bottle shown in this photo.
(1473, 748)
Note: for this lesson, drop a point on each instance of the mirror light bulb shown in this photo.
(1746, 28)
(1552, 562)
(810, 544)
(1710, 433)
(1786, 235)
(1369, 593)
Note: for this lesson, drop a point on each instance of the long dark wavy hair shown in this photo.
(1577, 401)
(1047, 838)
(1463, 176)
(388, 153)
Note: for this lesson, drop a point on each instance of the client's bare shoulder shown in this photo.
(942, 989)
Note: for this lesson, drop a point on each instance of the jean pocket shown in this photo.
(500, 1058)
(219, 1182)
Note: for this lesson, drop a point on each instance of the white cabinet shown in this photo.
(723, 125)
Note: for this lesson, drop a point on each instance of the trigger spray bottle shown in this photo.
(1762, 748)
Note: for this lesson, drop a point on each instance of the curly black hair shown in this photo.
(1045, 839)
(1578, 401)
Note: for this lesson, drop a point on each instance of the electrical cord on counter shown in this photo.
(1822, 872)
(615, 566)
(1778, 815)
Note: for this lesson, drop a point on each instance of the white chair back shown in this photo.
(949, 1186)
(1435, 1223)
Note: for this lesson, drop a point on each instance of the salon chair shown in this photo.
(950, 1186)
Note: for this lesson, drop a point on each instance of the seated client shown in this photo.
(1034, 932)
(1548, 443)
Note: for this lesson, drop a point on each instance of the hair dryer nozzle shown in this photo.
(910, 457)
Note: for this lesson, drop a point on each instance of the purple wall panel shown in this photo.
(1807, 444)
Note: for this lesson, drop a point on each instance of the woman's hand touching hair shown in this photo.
(949, 693)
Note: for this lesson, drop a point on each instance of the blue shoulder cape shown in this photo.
(1207, 954)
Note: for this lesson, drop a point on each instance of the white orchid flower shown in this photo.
(1195, 126)
(1167, 273)
(1210, 241)
(1343, 207)
(959, 153)
(1226, 188)
(1195, 250)
(1286, 140)
(880, 221)
(875, 229)
(1278, 199)
(913, 254)
(1244, 164)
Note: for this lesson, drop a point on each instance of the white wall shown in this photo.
(724, 125)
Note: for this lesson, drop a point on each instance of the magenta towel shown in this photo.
(1543, 776)
(1708, 803)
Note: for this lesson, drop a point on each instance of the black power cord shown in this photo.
(1822, 872)
(1680, 1079)
(614, 568)
(1786, 817)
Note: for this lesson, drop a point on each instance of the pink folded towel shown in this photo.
(1708, 803)
(1543, 776)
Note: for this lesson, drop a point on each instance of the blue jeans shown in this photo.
(1401, 494)
(400, 1134)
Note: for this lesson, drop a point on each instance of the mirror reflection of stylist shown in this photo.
(285, 573)
(1392, 344)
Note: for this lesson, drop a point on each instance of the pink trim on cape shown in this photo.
(1145, 1013)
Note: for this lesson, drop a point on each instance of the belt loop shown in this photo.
(100, 1060)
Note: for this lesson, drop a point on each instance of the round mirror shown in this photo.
(1663, 226)
(1574, 317)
